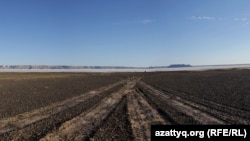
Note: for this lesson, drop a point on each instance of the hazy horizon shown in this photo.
(140, 33)
(187, 65)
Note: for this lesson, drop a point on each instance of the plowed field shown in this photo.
(115, 106)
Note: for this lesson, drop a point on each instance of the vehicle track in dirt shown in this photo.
(142, 116)
(81, 127)
(121, 111)
(116, 126)
(202, 111)
(228, 114)
(35, 124)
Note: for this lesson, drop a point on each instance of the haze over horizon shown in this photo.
(139, 33)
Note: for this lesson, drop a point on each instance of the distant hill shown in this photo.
(170, 66)
(179, 65)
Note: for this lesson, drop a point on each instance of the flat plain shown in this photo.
(118, 106)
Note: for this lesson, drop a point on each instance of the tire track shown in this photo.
(116, 126)
(81, 127)
(228, 114)
(142, 116)
(14, 128)
(96, 114)
(177, 103)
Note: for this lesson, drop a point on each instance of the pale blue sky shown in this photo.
(124, 32)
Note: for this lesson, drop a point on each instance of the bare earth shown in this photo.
(123, 109)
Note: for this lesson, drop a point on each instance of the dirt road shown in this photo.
(120, 111)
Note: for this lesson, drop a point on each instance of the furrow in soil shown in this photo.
(198, 115)
(116, 126)
(142, 116)
(35, 124)
(83, 126)
(228, 114)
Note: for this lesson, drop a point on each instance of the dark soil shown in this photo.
(25, 92)
(41, 128)
(116, 127)
(227, 87)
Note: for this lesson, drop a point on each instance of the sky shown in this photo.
(124, 32)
